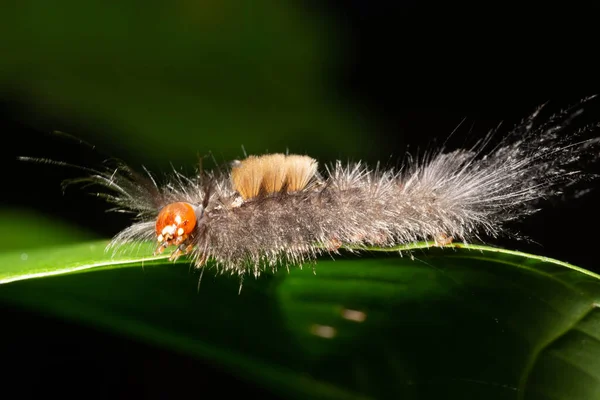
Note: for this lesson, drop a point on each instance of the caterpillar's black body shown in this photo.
(278, 208)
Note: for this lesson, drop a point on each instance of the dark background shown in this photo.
(411, 72)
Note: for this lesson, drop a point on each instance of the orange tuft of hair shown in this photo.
(272, 173)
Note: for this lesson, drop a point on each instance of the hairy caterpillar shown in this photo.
(274, 209)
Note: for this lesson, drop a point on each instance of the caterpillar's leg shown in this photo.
(443, 240)
(333, 245)
(180, 251)
(160, 248)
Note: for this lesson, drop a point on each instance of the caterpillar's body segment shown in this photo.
(277, 208)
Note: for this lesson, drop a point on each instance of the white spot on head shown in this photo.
(169, 230)
(178, 219)
(354, 315)
(327, 332)
(180, 232)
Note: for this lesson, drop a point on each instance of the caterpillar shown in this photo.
(285, 209)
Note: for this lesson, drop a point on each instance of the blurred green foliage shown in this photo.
(26, 229)
(161, 81)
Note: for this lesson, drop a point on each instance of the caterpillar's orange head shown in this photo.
(174, 224)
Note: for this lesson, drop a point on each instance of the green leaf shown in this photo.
(450, 322)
